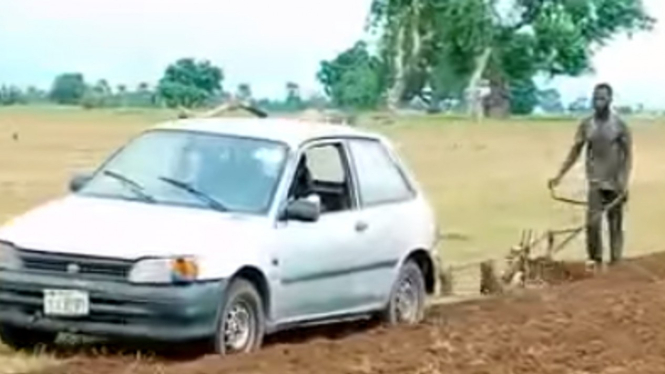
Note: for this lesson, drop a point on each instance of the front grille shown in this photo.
(86, 266)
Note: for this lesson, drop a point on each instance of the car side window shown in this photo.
(326, 164)
(379, 178)
(323, 170)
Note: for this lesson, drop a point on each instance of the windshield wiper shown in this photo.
(212, 202)
(134, 186)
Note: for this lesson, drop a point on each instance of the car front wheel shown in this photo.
(408, 296)
(241, 323)
(19, 338)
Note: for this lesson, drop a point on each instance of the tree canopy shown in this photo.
(190, 83)
(353, 79)
(439, 51)
(68, 88)
(450, 45)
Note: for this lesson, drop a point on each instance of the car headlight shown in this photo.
(9, 259)
(165, 270)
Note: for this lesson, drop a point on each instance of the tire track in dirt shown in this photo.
(610, 324)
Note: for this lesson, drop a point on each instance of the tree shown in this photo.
(68, 88)
(35, 95)
(143, 96)
(354, 79)
(190, 83)
(244, 92)
(97, 96)
(503, 42)
(102, 87)
(121, 94)
(92, 98)
(579, 105)
(523, 97)
(143, 87)
(316, 100)
(11, 95)
(428, 41)
(550, 100)
(293, 99)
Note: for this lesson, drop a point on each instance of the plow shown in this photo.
(530, 263)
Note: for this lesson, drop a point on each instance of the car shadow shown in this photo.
(70, 346)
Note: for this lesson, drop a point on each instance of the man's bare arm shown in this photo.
(627, 144)
(575, 150)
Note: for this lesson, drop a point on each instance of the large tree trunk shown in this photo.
(396, 91)
(497, 103)
(406, 60)
(474, 98)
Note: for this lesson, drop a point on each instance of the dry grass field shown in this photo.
(487, 180)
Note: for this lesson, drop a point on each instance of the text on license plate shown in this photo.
(66, 303)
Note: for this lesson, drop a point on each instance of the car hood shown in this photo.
(131, 230)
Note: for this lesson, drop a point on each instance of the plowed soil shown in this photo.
(612, 323)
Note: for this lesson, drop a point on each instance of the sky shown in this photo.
(261, 42)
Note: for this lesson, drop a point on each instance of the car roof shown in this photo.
(290, 131)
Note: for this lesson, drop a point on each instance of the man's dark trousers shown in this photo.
(598, 199)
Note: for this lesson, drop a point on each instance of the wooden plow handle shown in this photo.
(227, 106)
(566, 200)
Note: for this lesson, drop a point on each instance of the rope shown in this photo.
(577, 230)
(550, 234)
(526, 243)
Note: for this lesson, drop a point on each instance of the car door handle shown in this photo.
(361, 226)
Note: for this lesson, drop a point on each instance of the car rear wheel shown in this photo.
(25, 339)
(408, 296)
(241, 324)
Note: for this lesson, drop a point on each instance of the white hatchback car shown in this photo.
(224, 230)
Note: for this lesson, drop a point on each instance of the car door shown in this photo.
(316, 258)
(388, 215)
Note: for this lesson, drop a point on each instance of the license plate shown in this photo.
(66, 303)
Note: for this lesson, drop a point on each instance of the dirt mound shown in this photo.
(611, 323)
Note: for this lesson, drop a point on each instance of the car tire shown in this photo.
(241, 321)
(25, 339)
(406, 304)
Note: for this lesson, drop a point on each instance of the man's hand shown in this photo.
(552, 183)
(625, 196)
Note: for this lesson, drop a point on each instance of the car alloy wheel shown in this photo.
(407, 299)
(239, 327)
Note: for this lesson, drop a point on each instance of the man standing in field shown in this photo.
(608, 142)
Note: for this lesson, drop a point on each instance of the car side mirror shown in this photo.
(78, 181)
(305, 209)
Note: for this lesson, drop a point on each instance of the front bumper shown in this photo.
(120, 310)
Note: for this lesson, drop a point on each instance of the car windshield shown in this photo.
(221, 172)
